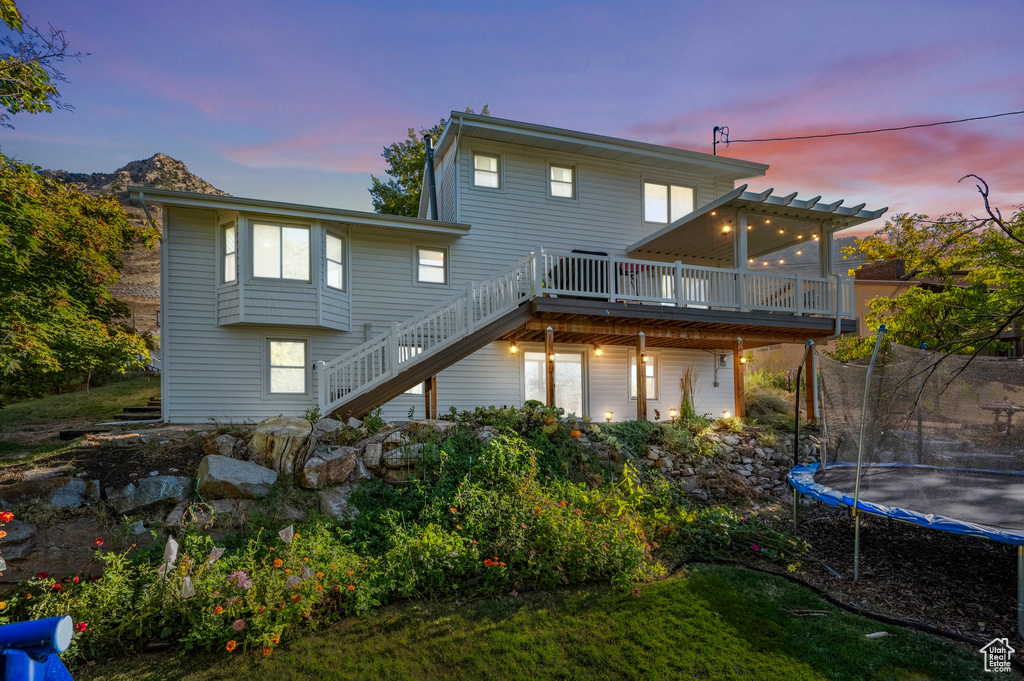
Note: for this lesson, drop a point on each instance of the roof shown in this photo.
(774, 223)
(588, 144)
(169, 197)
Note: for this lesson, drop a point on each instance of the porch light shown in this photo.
(743, 360)
(750, 227)
(799, 236)
(799, 252)
(726, 229)
(726, 413)
(673, 413)
(513, 348)
(643, 359)
(551, 357)
(714, 212)
(781, 261)
(608, 415)
(751, 261)
(782, 231)
(598, 351)
(815, 237)
(765, 263)
(767, 221)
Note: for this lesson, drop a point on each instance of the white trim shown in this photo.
(560, 348)
(631, 373)
(251, 223)
(416, 247)
(266, 339)
(496, 154)
(574, 183)
(668, 183)
(329, 233)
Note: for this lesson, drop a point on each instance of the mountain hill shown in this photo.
(139, 286)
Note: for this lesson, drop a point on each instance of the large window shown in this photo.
(562, 182)
(230, 253)
(664, 203)
(280, 252)
(569, 390)
(335, 262)
(431, 265)
(485, 171)
(650, 370)
(287, 366)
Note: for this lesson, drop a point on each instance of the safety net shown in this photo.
(943, 439)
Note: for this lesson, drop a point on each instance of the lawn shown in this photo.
(32, 425)
(711, 622)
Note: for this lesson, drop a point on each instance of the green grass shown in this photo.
(32, 425)
(714, 623)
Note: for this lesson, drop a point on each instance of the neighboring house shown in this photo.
(548, 261)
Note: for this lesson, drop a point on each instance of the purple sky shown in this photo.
(295, 104)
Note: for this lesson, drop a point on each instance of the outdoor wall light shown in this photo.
(726, 413)
(673, 413)
(608, 415)
(551, 357)
(714, 212)
(513, 348)
(598, 351)
(800, 252)
(726, 229)
(743, 360)
(643, 359)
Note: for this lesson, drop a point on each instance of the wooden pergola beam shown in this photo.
(631, 331)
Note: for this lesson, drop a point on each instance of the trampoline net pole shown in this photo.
(864, 418)
(856, 547)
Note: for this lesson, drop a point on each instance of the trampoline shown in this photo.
(910, 436)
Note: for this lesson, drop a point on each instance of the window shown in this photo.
(651, 370)
(287, 366)
(432, 265)
(230, 250)
(568, 380)
(562, 182)
(335, 262)
(666, 202)
(280, 252)
(485, 171)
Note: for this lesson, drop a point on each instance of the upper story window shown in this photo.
(280, 252)
(666, 203)
(485, 171)
(335, 262)
(230, 253)
(562, 181)
(431, 265)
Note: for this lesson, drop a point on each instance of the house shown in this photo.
(543, 264)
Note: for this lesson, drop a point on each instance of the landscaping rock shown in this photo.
(372, 455)
(148, 491)
(361, 473)
(334, 502)
(57, 492)
(47, 473)
(93, 489)
(352, 422)
(17, 532)
(399, 475)
(325, 432)
(223, 445)
(408, 456)
(330, 465)
(224, 478)
(280, 444)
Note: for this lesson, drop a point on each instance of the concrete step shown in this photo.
(142, 410)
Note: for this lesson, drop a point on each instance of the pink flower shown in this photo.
(42, 575)
(755, 547)
(57, 587)
(98, 541)
(238, 625)
(81, 627)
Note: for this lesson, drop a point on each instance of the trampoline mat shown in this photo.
(989, 498)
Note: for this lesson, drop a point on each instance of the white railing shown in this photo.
(381, 358)
(574, 275)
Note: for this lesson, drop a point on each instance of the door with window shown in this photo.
(570, 383)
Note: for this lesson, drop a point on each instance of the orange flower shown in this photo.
(319, 575)
(475, 542)
(28, 595)
(3, 534)
(266, 651)
(218, 610)
(261, 608)
(334, 566)
(278, 562)
(350, 572)
(502, 564)
(275, 640)
(319, 587)
(230, 646)
(305, 560)
(296, 598)
(563, 504)
(453, 510)
(287, 571)
(458, 527)
(6, 517)
(297, 535)
(351, 587)
(536, 509)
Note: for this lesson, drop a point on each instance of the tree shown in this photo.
(400, 194)
(29, 60)
(977, 266)
(61, 253)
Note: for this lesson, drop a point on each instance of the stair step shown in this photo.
(136, 416)
(72, 433)
(153, 403)
(143, 410)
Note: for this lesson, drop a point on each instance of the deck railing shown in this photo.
(550, 273)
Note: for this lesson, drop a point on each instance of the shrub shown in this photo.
(634, 435)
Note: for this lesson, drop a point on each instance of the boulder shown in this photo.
(361, 473)
(330, 465)
(224, 445)
(47, 473)
(372, 455)
(222, 512)
(280, 444)
(148, 491)
(17, 532)
(398, 475)
(353, 422)
(408, 456)
(57, 492)
(325, 432)
(334, 502)
(224, 478)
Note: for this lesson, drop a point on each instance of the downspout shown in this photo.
(430, 176)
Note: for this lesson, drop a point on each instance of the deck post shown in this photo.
(426, 398)
(641, 377)
(549, 360)
(738, 376)
(433, 396)
(740, 258)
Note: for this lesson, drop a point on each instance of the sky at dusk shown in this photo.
(294, 101)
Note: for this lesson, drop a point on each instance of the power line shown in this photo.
(868, 132)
